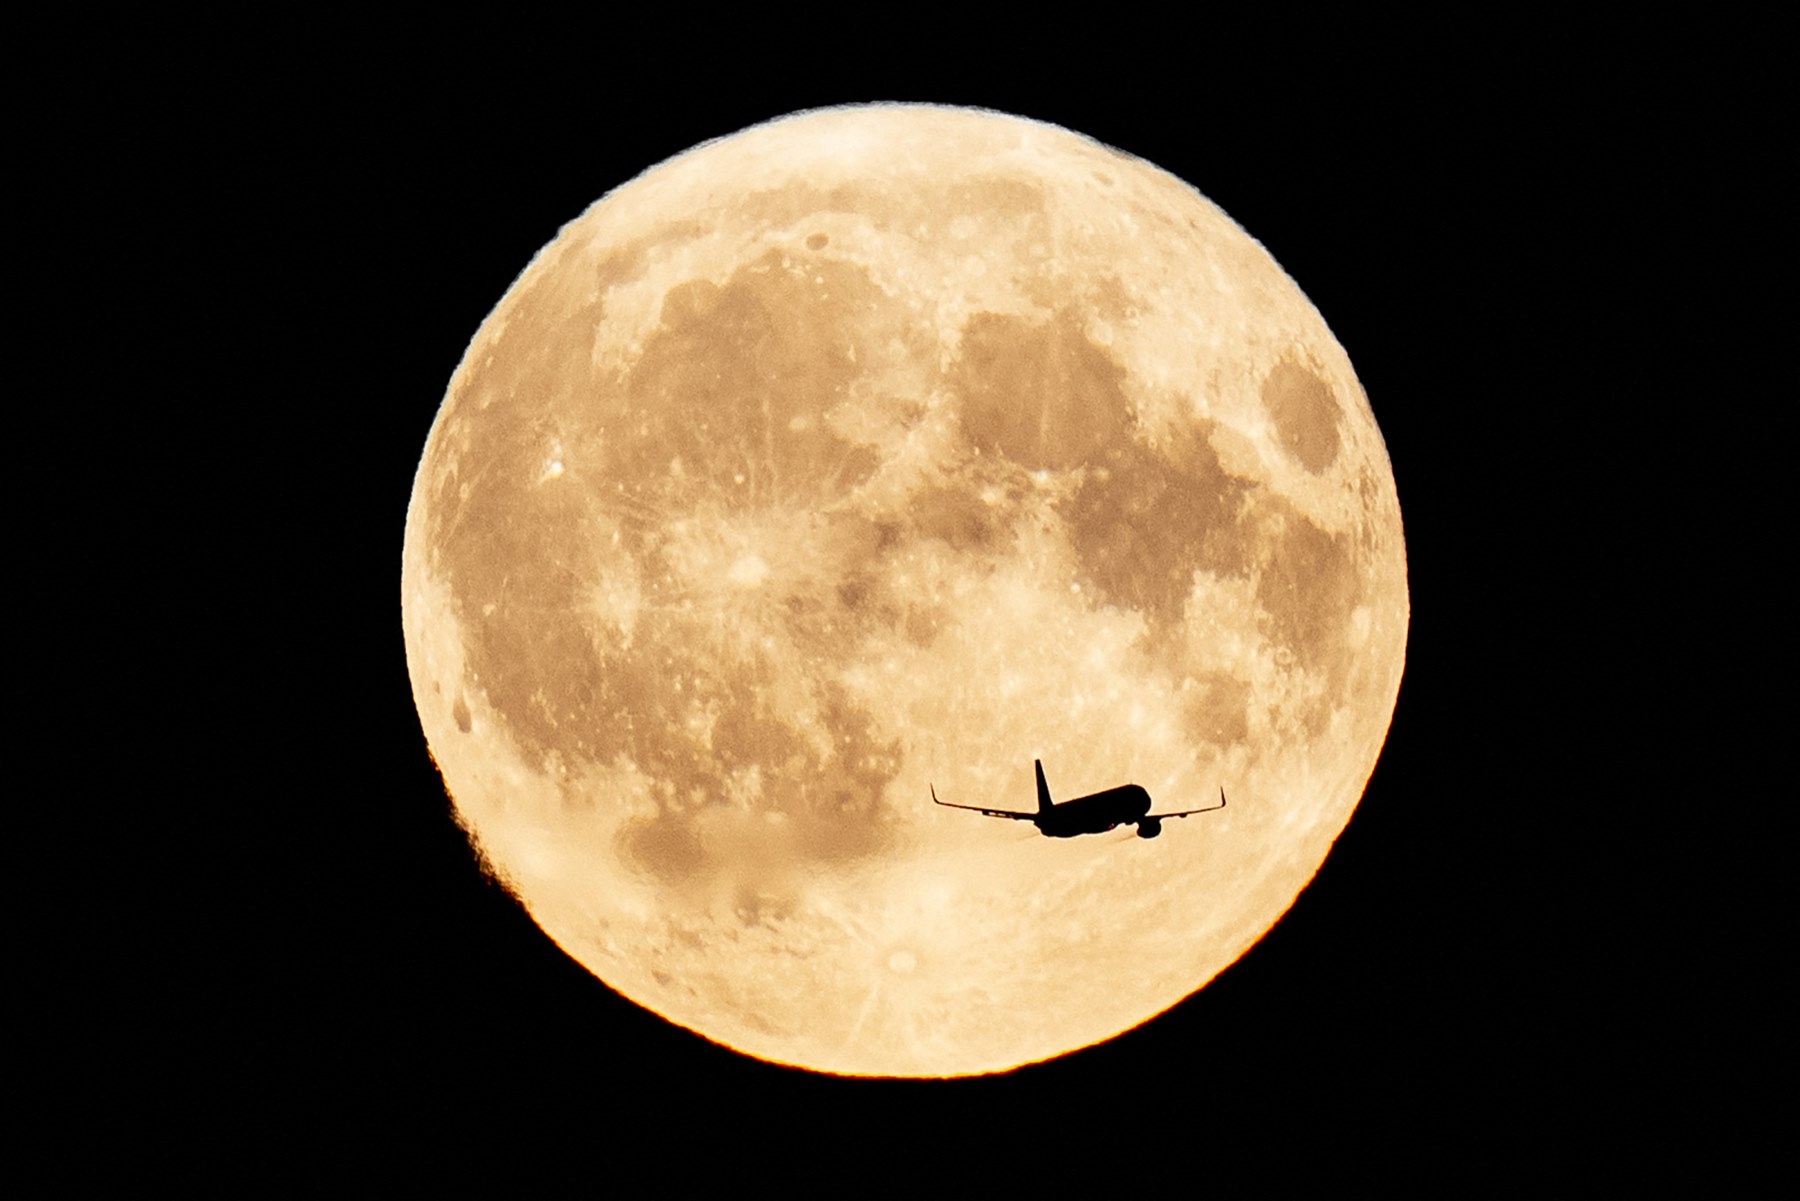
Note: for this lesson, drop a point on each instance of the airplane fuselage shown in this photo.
(1096, 813)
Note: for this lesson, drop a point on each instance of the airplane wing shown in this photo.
(1024, 817)
(1184, 812)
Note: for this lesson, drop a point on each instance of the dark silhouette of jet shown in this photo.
(1094, 814)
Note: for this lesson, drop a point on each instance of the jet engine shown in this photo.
(1149, 827)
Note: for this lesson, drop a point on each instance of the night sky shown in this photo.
(1461, 972)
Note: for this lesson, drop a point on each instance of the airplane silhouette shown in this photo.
(1093, 814)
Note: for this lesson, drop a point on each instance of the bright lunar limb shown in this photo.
(885, 447)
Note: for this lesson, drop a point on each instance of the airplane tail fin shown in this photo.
(1043, 788)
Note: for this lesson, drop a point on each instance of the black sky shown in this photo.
(1470, 214)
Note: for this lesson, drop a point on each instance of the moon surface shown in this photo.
(879, 448)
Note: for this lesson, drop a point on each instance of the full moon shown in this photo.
(879, 449)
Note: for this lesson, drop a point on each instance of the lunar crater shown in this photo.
(1305, 414)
